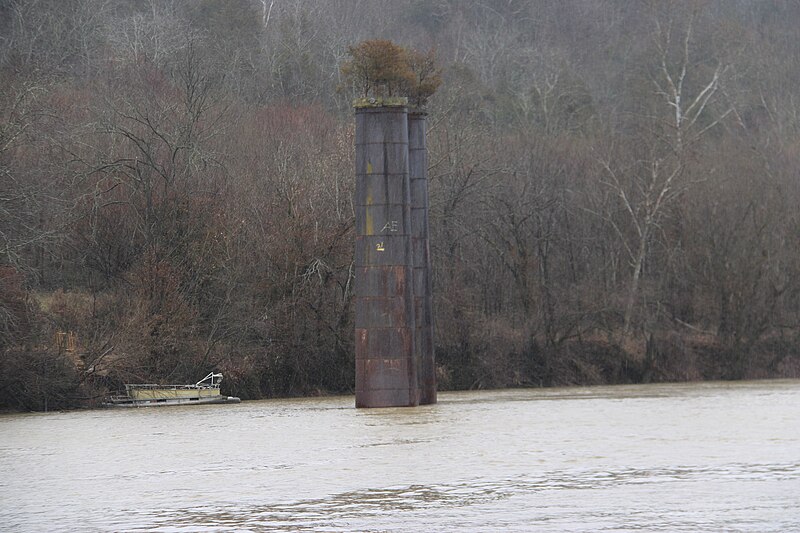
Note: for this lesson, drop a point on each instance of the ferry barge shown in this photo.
(204, 391)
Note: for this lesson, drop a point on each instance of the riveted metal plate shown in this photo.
(383, 343)
(383, 250)
(387, 397)
(381, 281)
(382, 220)
(383, 312)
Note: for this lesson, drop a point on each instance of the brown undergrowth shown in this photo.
(69, 349)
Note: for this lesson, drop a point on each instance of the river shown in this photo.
(676, 457)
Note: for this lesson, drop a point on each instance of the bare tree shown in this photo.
(656, 177)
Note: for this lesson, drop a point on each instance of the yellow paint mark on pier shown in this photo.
(369, 228)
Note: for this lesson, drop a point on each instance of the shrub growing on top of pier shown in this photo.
(381, 68)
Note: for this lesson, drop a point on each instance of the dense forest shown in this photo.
(614, 189)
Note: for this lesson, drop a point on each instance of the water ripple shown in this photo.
(341, 512)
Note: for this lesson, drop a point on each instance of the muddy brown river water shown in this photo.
(685, 457)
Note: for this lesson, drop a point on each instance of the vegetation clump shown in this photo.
(381, 68)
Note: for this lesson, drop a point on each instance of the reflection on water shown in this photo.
(699, 457)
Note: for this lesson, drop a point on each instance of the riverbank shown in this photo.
(669, 357)
(43, 380)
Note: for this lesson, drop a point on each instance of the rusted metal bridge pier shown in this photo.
(393, 311)
(420, 246)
